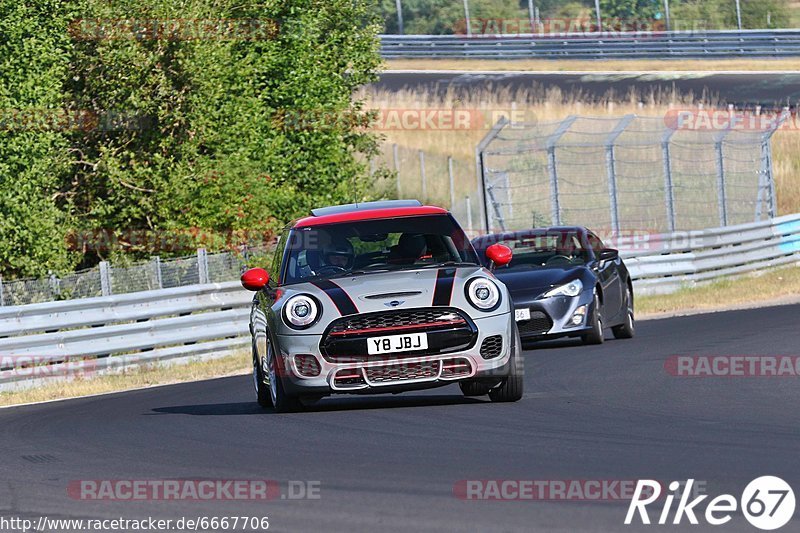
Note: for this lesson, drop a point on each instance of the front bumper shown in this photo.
(382, 374)
(552, 317)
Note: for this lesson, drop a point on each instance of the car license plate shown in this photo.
(522, 314)
(397, 343)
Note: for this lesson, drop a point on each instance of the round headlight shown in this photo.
(483, 294)
(300, 311)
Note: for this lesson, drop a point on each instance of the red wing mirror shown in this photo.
(499, 254)
(255, 279)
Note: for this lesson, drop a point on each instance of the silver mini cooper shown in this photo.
(381, 297)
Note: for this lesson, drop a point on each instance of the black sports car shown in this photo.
(565, 283)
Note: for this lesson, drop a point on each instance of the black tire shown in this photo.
(261, 385)
(627, 329)
(512, 387)
(279, 400)
(474, 388)
(596, 335)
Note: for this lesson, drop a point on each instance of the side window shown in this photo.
(595, 243)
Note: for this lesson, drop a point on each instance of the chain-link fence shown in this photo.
(107, 279)
(627, 173)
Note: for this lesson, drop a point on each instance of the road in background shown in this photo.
(609, 412)
(770, 89)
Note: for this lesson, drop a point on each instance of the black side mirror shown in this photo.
(608, 254)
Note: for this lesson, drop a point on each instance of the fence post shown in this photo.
(2, 296)
(399, 17)
(452, 182)
(612, 172)
(722, 201)
(202, 266)
(396, 167)
(766, 165)
(105, 278)
(552, 167)
(422, 176)
(669, 191)
(157, 268)
(480, 166)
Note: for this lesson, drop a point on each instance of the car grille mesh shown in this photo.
(539, 324)
(425, 318)
(402, 372)
(492, 346)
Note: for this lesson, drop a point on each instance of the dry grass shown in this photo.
(547, 105)
(757, 288)
(131, 379)
(619, 65)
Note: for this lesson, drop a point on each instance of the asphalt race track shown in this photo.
(607, 412)
(769, 89)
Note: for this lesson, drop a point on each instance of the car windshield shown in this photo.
(335, 250)
(540, 250)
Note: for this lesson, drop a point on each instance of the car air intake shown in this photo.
(492, 346)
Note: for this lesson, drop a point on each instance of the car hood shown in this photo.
(524, 282)
(396, 290)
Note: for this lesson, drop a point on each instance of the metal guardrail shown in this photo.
(604, 45)
(46, 341)
(94, 335)
(665, 263)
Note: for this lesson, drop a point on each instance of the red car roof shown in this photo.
(369, 214)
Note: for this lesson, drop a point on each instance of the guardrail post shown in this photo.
(105, 278)
(480, 166)
(612, 172)
(2, 296)
(396, 167)
(552, 167)
(452, 182)
(669, 191)
(157, 269)
(422, 176)
(202, 266)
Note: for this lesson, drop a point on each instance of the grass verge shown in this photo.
(618, 65)
(136, 378)
(755, 289)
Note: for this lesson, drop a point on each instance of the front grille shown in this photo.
(402, 372)
(448, 330)
(539, 324)
(492, 346)
(391, 321)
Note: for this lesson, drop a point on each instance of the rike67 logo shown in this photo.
(767, 503)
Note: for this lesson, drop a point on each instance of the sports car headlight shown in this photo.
(483, 294)
(573, 288)
(300, 311)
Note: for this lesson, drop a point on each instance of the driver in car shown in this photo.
(338, 254)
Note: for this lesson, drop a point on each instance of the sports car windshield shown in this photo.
(335, 250)
(543, 250)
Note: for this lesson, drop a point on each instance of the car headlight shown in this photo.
(573, 288)
(483, 294)
(300, 311)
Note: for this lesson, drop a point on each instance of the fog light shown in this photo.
(577, 318)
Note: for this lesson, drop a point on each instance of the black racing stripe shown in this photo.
(444, 286)
(340, 298)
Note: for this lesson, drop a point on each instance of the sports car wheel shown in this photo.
(259, 381)
(595, 336)
(627, 328)
(281, 402)
(511, 388)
